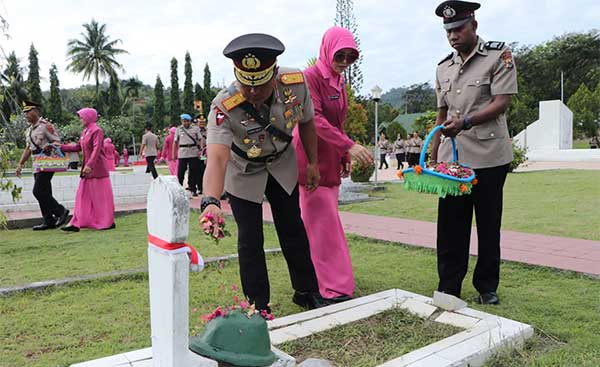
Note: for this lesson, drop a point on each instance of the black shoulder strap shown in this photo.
(246, 106)
(494, 45)
(191, 137)
(446, 59)
(37, 147)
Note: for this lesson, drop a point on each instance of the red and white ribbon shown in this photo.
(196, 259)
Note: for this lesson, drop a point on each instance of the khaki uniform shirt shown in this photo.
(184, 136)
(467, 87)
(38, 134)
(228, 123)
(399, 146)
(151, 142)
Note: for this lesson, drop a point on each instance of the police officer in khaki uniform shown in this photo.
(249, 152)
(38, 138)
(187, 144)
(474, 85)
(149, 150)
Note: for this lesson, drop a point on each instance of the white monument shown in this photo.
(551, 137)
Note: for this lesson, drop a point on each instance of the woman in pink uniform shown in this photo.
(125, 156)
(328, 246)
(109, 152)
(167, 151)
(94, 204)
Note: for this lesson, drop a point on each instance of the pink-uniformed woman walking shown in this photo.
(94, 203)
(109, 153)
(328, 246)
(167, 151)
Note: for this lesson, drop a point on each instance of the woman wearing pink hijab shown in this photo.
(94, 204)
(109, 153)
(167, 151)
(328, 246)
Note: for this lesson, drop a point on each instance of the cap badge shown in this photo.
(449, 12)
(250, 62)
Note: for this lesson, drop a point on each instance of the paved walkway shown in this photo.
(556, 252)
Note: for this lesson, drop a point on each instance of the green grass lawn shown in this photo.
(27, 256)
(581, 144)
(372, 341)
(561, 203)
(64, 325)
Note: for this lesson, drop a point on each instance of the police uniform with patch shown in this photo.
(464, 87)
(189, 145)
(263, 163)
(37, 138)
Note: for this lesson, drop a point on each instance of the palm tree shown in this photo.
(95, 54)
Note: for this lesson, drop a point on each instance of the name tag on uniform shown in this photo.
(334, 97)
(254, 130)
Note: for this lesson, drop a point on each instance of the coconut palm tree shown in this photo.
(94, 55)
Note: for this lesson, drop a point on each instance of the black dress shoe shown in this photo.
(43, 227)
(310, 300)
(63, 218)
(338, 299)
(489, 298)
(112, 226)
(70, 229)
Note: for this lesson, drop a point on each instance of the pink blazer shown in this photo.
(91, 143)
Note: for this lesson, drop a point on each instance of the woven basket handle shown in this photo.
(428, 140)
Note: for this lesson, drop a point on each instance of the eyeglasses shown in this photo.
(348, 57)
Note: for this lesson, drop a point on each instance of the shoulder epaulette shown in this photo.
(494, 45)
(292, 78)
(233, 101)
(446, 59)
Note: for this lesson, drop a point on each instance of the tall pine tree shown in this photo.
(159, 104)
(199, 96)
(208, 93)
(33, 79)
(344, 17)
(54, 102)
(175, 100)
(114, 97)
(188, 86)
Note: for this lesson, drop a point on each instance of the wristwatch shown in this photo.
(467, 123)
(209, 200)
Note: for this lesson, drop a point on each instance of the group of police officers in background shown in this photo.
(250, 156)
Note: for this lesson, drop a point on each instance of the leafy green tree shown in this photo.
(94, 55)
(585, 105)
(12, 88)
(344, 17)
(425, 123)
(188, 86)
(33, 79)
(393, 129)
(175, 110)
(158, 115)
(114, 97)
(523, 110)
(209, 95)
(200, 95)
(132, 87)
(356, 119)
(55, 109)
(420, 98)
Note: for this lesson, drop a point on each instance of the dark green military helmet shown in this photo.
(236, 339)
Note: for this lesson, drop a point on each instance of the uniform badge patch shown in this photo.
(292, 78)
(507, 58)
(232, 102)
(220, 117)
(288, 113)
(289, 95)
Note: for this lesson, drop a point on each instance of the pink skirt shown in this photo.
(328, 246)
(110, 164)
(172, 167)
(94, 204)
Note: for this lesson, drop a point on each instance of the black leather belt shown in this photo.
(266, 159)
(187, 145)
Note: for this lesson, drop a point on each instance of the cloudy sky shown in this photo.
(402, 41)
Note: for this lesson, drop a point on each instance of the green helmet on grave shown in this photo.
(236, 339)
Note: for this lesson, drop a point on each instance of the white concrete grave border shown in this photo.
(168, 218)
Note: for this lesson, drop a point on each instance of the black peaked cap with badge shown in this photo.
(254, 57)
(456, 13)
(29, 105)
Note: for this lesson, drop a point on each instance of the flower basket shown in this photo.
(52, 160)
(447, 178)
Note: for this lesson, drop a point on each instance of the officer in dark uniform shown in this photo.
(249, 154)
(474, 86)
(38, 138)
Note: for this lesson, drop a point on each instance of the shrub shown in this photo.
(361, 173)
(519, 156)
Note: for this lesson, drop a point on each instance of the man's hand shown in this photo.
(361, 154)
(217, 215)
(86, 170)
(312, 177)
(453, 126)
(18, 170)
(346, 169)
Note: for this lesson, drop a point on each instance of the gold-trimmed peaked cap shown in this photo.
(456, 13)
(254, 57)
(29, 105)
